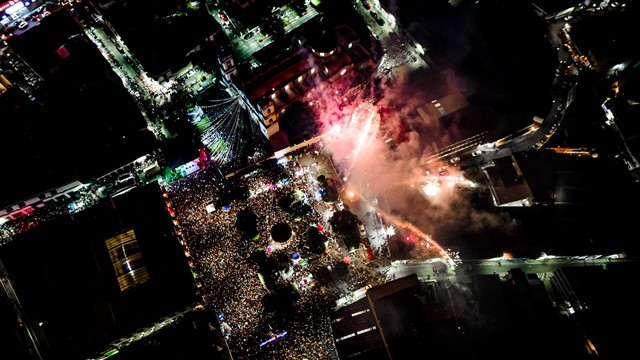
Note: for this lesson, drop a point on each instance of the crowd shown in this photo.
(222, 258)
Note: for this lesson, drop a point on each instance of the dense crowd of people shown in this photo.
(222, 256)
(255, 317)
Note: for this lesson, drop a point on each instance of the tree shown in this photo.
(351, 240)
(282, 261)
(329, 194)
(322, 180)
(273, 26)
(341, 269)
(281, 299)
(316, 240)
(298, 6)
(344, 222)
(345, 225)
(284, 202)
(300, 209)
(240, 191)
(267, 267)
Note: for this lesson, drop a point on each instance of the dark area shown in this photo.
(69, 132)
(247, 223)
(299, 123)
(281, 232)
(316, 240)
(150, 27)
(189, 339)
(503, 63)
(64, 278)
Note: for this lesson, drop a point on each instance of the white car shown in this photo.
(23, 24)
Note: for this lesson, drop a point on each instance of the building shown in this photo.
(5, 84)
(512, 313)
(323, 54)
(151, 28)
(476, 316)
(442, 107)
(612, 58)
(600, 300)
(242, 4)
(58, 105)
(54, 197)
(507, 184)
(105, 277)
(396, 320)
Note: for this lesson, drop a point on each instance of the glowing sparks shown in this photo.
(423, 241)
(365, 134)
(357, 136)
(431, 188)
(432, 185)
(363, 121)
(390, 231)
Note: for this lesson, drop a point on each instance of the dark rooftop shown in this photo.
(64, 276)
(161, 33)
(84, 122)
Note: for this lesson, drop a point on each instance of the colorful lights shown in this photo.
(274, 338)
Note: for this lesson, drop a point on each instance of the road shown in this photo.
(570, 64)
(436, 270)
(402, 54)
(245, 45)
(536, 135)
(537, 266)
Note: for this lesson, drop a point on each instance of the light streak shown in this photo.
(421, 234)
(274, 338)
(227, 123)
(363, 122)
(365, 134)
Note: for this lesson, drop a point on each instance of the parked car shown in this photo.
(376, 17)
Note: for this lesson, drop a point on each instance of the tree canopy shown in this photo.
(247, 222)
(345, 224)
(316, 240)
